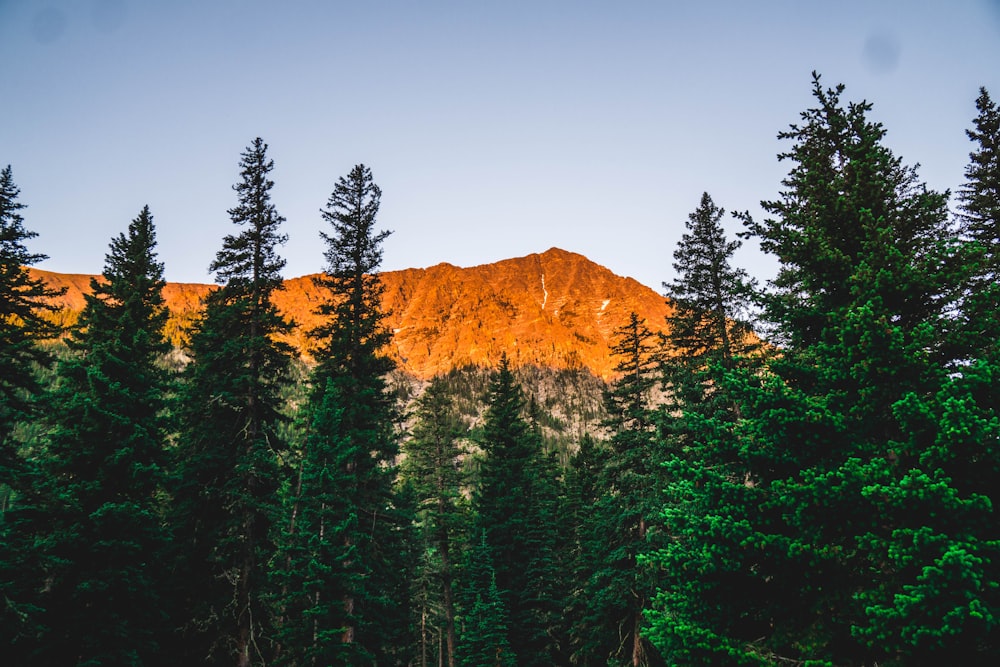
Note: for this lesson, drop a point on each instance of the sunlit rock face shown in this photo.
(556, 309)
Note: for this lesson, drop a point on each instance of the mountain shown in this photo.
(556, 309)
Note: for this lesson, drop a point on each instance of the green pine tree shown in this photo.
(979, 216)
(810, 536)
(100, 515)
(315, 567)
(230, 411)
(485, 621)
(589, 641)
(709, 337)
(434, 463)
(515, 508)
(620, 588)
(24, 302)
(351, 362)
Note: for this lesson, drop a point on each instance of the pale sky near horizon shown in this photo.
(495, 129)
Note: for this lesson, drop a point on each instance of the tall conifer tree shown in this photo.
(979, 217)
(620, 587)
(709, 338)
(359, 449)
(514, 505)
(104, 535)
(434, 465)
(230, 410)
(24, 302)
(817, 533)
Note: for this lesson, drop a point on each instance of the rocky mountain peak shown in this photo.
(555, 309)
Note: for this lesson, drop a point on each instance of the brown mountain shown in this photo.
(556, 309)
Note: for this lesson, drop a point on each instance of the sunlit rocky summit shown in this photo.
(556, 309)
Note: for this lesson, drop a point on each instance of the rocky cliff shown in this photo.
(556, 309)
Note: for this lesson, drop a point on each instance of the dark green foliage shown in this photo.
(979, 197)
(230, 410)
(353, 340)
(349, 379)
(515, 504)
(23, 304)
(710, 298)
(979, 203)
(434, 465)
(317, 566)
(590, 641)
(485, 621)
(99, 511)
(630, 481)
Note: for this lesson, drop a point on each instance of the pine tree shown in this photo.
(979, 205)
(861, 307)
(434, 464)
(24, 302)
(620, 589)
(514, 507)
(314, 567)
(485, 621)
(351, 362)
(710, 339)
(941, 602)
(101, 507)
(709, 297)
(589, 641)
(230, 410)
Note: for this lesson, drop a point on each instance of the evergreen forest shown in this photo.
(800, 472)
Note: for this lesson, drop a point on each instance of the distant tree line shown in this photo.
(798, 474)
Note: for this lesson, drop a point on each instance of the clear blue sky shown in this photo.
(495, 129)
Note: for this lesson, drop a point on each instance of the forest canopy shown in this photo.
(796, 473)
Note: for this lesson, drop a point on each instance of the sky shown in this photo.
(494, 129)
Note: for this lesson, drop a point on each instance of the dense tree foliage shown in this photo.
(837, 528)
(105, 560)
(434, 463)
(345, 506)
(514, 505)
(803, 474)
(230, 410)
(24, 301)
(616, 588)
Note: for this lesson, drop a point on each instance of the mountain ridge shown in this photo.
(554, 309)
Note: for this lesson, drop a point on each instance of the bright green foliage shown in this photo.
(808, 524)
(371, 578)
(484, 641)
(229, 411)
(709, 338)
(100, 516)
(861, 300)
(434, 465)
(515, 506)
